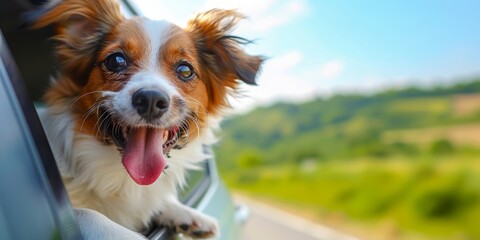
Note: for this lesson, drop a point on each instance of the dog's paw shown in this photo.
(191, 223)
(196, 225)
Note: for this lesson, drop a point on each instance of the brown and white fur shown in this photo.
(93, 110)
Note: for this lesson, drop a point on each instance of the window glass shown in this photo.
(195, 181)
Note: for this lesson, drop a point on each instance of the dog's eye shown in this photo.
(184, 71)
(116, 62)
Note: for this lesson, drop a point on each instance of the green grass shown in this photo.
(431, 199)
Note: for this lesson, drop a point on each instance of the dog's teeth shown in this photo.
(165, 136)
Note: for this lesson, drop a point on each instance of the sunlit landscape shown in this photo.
(401, 164)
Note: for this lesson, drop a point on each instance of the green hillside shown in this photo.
(404, 156)
(340, 127)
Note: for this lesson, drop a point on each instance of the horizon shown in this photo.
(373, 93)
(325, 48)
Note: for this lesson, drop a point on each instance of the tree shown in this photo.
(249, 159)
(442, 146)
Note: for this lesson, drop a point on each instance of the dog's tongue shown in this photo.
(143, 155)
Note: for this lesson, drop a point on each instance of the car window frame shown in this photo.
(39, 149)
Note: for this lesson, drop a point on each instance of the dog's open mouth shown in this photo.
(120, 136)
(143, 157)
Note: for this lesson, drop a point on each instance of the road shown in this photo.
(266, 223)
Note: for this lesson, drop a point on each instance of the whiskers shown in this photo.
(86, 94)
(102, 122)
(202, 109)
(107, 124)
(92, 109)
(184, 133)
(195, 118)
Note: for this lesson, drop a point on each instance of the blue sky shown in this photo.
(325, 47)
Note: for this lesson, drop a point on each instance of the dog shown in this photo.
(134, 103)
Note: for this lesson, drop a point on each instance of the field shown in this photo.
(402, 164)
(463, 135)
(397, 199)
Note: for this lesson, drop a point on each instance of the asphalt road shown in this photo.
(266, 223)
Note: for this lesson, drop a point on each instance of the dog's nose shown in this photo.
(150, 104)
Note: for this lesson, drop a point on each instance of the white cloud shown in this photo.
(248, 7)
(275, 17)
(278, 82)
(331, 69)
(177, 12)
(277, 14)
(262, 15)
(281, 80)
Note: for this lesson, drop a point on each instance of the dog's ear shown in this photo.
(221, 54)
(81, 28)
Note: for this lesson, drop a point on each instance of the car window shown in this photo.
(197, 183)
(31, 187)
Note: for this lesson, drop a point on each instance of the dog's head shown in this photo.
(141, 84)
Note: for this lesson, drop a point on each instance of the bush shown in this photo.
(375, 150)
(403, 148)
(442, 203)
(437, 204)
(249, 159)
(248, 177)
(442, 146)
(445, 197)
(301, 154)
